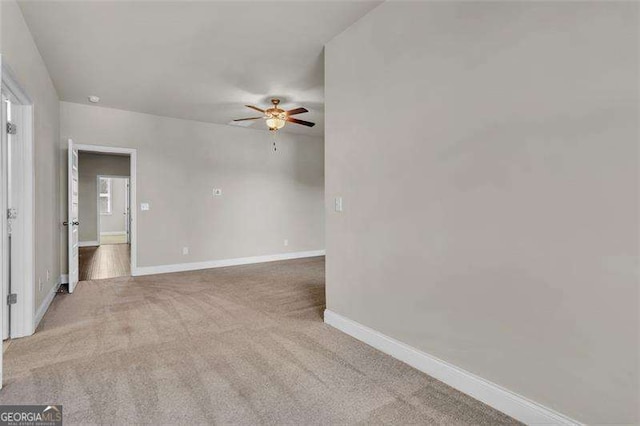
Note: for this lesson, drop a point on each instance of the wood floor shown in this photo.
(105, 261)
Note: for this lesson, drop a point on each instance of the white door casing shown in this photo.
(3, 225)
(72, 216)
(21, 199)
(132, 153)
(127, 211)
(5, 238)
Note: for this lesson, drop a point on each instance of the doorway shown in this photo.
(17, 259)
(113, 201)
(104, 231)
(110, 258)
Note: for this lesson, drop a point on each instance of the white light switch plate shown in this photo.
(144, 206)
(338, 204)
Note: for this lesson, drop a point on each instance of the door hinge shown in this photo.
(12, 129)
(12, 299)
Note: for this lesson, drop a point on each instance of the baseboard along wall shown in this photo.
(88, 243)
(194, 266)
(42, 309)
(510, 403)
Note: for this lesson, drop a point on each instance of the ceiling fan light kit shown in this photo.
(276, 118)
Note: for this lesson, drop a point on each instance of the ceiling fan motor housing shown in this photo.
(276, 118)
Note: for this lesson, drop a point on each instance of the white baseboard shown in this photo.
(88, 243)
(45, 304)
(181, 267)
(114, 233)
(64, 279)
(510, 403)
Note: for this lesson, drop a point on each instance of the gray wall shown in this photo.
(267, 196)
(487, 154)
(21, 54)
(91, 165)
(116, 221)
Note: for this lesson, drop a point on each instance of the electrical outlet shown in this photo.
(217, 192)
(144, 206)
(286, 242)
(185, 250)
(338, 204)
(39, 284)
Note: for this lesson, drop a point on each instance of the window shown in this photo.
(104, 192)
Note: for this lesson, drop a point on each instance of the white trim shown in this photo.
(133, 161)
(3, 228)
(181, 267)
(11, 83)
(23, 189)
(114, 233)
(88, 243)
(64, 279)
(44, 306)
(516, 406)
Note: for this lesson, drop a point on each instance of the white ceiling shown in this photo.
(195, 60)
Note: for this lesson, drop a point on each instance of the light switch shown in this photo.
(144, 206)
(217, 191)
(338, 204)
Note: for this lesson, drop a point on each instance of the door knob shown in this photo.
(76, 223)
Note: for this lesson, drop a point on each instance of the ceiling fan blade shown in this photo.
(304, 123)
(250, 118)
(297, 111)
(254, 107)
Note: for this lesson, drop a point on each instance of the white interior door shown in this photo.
(4, 267)
(72, 216)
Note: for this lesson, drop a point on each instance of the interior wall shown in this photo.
(116, 221)
(90, 166)
(21, 54)
(267, 196)
(487, 156)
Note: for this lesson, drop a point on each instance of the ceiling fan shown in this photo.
(276, 118)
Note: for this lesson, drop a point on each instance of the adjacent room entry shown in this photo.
(101, 191)
(111, 256)
(113, 209)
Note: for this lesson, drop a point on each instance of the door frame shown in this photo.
(99, 216)
(23, 230)
(133, 155)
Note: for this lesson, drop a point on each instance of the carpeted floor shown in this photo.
(237, 345)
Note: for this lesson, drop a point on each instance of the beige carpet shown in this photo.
(237, 345)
